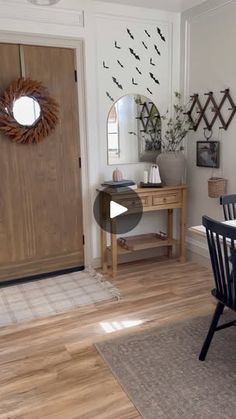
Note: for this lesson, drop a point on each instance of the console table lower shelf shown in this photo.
(167, 198)
(141, 243)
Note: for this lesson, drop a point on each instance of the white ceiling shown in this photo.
(169, 5)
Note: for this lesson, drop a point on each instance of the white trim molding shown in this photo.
(187, 18)
(192, 22)
(26, 12)
(205, 8)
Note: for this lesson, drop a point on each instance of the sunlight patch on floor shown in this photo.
(110, 327)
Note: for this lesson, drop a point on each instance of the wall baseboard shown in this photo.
(197, 252)
(132, 257)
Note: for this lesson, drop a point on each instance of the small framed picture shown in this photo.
(208, 154)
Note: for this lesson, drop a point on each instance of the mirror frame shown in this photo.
(45, 124)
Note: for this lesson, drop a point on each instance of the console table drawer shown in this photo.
(167, 198)
(146, 200)
(131, 202)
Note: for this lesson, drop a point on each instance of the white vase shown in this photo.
(172, 167)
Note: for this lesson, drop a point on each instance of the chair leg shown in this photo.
(218, 311)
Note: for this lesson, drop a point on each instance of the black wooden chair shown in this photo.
(222, 248)
(229, 206)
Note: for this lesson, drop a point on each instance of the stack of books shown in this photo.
(119, 184)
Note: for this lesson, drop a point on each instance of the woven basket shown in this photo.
(216, 187)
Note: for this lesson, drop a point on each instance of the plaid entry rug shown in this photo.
(50, 296)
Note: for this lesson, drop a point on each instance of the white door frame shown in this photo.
(78, 46)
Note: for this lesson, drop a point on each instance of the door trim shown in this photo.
(78, 46)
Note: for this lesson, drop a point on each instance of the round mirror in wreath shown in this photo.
(28, 113)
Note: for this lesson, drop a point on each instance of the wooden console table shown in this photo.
(153, 199)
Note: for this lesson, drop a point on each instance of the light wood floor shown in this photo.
(50, 369)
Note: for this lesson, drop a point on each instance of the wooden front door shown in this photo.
(40, 185)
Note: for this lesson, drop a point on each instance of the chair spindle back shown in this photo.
(229, 206)
(221, 240)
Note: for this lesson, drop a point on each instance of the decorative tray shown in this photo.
(142, 241)
(150, 185)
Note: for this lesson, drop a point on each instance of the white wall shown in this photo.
(208, 64)
(98, 24)
(111, 25)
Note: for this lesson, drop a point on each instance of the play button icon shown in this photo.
(116, 209)
(122, 207)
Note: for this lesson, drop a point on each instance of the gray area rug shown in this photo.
(160, 372)
(54, 295)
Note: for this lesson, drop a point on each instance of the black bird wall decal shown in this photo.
(121, 65)
(117, 46)
(151, 62)
(154, 78)
(148, 34)
(157, 50)
(134, 83)
(161, 35)
(132, 133)
(117, 83)
(134, 54)
(109, 96)
(145, 46)
(149, 90)
(137, 69)
(130, 34)
(104, 65)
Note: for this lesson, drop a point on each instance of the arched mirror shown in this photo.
(133, 131)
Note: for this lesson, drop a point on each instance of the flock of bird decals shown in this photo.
(137, 57)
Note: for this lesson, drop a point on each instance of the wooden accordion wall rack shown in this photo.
(199, 112)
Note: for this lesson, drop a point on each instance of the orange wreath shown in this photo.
(43, 126)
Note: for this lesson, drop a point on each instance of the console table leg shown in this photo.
(104, 247)
(182, 228)
(113, 248)
(170, 231)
